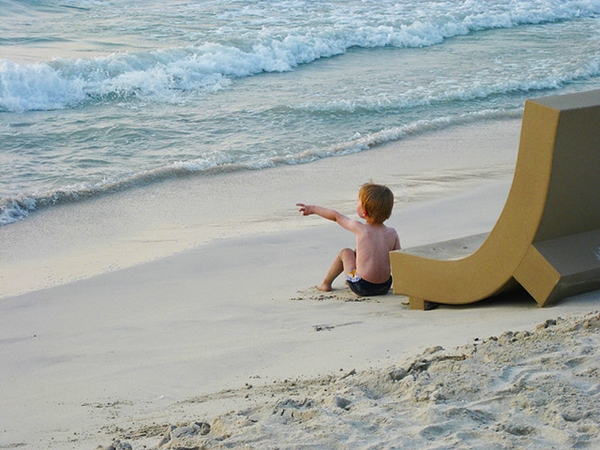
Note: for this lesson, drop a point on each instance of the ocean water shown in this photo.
(105, 95)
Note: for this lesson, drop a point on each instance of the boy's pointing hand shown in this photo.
(304, 209)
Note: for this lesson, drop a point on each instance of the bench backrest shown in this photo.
(573, 199)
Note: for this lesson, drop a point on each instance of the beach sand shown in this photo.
(184, 315)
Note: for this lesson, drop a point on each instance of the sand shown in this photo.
(185, 316)
(526, 389)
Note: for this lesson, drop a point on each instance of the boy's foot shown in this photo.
(325, 287)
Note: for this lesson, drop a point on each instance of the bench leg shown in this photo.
(419, 303)
(416, 303)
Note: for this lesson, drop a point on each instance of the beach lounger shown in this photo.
(547, 238)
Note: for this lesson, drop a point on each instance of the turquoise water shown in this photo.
(97, 96)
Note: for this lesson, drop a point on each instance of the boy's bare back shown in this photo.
(374, 242)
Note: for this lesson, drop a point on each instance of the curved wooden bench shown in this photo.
(547, 238)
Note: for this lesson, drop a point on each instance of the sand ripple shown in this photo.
(530, 389)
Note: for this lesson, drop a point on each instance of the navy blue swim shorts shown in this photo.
(365, 288)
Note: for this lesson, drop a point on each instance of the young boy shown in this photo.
(367, 268)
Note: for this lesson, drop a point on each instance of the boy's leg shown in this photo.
(343, 262)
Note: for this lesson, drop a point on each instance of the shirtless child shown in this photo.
(367, 268)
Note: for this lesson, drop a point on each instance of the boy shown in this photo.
(367, 268)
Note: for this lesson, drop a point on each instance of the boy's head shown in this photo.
(377, 201)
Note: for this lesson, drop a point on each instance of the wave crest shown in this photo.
(169, 75)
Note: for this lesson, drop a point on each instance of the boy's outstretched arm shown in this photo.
(326, 213)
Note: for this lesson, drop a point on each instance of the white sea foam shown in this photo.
(163, 75)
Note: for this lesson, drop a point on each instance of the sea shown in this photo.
(98, 96)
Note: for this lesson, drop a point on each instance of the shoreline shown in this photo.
(76, 241)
